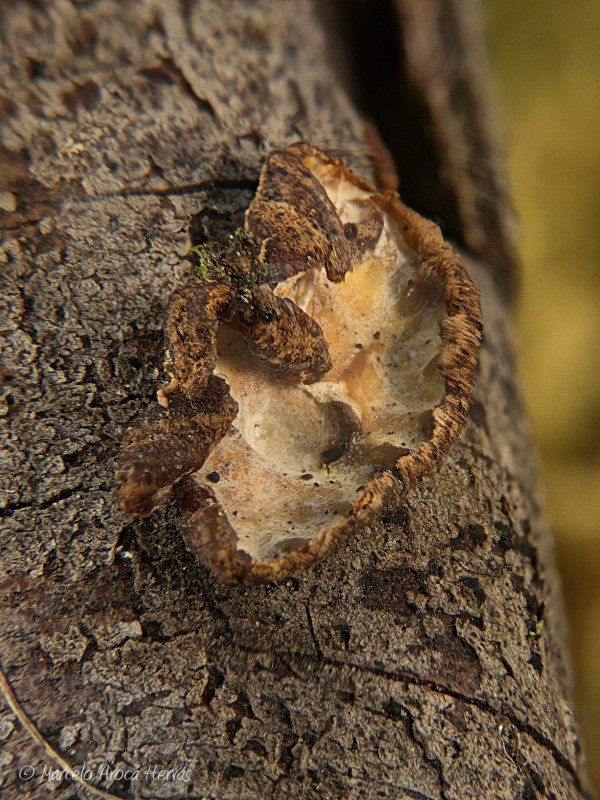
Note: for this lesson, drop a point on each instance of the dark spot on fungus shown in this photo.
(84, 95)
(334, 453)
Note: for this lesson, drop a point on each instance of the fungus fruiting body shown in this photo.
(322, 362)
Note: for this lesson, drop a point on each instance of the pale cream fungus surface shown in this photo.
(297, 455)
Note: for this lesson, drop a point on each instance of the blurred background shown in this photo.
(545, 58)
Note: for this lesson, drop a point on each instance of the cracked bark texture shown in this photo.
(425, 657)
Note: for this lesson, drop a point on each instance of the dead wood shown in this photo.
(424, 658)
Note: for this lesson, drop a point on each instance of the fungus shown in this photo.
(322, 363)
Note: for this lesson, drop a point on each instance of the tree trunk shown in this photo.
(423, 658)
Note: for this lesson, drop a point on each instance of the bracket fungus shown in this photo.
(321, 360)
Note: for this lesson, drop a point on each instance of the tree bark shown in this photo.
(423, 658)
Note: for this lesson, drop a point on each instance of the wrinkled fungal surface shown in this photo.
(322, 362)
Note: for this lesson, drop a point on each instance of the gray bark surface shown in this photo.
(423, 658)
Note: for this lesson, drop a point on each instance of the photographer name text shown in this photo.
(106, 772)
